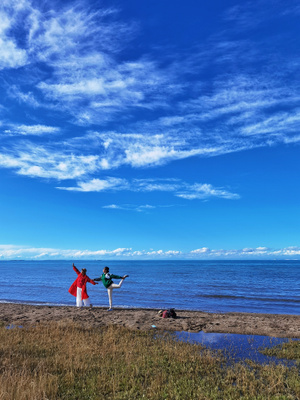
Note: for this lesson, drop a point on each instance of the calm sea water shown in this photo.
(215, 286)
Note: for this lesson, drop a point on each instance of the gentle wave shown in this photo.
(225, 286)
(220, 296)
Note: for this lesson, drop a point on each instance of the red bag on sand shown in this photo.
(165, 314)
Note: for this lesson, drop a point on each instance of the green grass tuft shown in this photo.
(288, 351)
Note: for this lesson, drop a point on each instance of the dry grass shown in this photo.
(66, 361)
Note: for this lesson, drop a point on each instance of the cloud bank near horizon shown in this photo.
(12, 252)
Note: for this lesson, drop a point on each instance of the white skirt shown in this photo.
(79, 301)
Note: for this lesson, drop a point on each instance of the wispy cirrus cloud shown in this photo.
(250, 15)
(31, 130)
(93, 153)
(177, 187)
(46, 162)
(205, 191)
(78, 44)
(141, 150)
(11, 55)
(132, 207)
(100, 185)
(162, 109)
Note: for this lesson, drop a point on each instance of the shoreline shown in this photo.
(273, 325)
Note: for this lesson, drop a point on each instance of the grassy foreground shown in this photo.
(288, 351)
(66, 361)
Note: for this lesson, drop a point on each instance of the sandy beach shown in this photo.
(275, 325)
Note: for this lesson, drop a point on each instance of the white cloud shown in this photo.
(204, 191)
(42, 162)
(79, 45)
(278, 124)
(133, 207)
(21, 252)
(78, 73)
(95, 152)
(203, 250)
(138, 150)
(87, 81)
(27, 98)
(247, 15)
(34, 130)
(114, 207)
(98, 185)
(177, 187)
(152, 185)
(10, 55)
(139, 157)
(143, 150)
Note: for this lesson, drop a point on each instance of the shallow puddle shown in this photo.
(237, 347)
(13, 326)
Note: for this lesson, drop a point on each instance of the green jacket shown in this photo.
(107, 279)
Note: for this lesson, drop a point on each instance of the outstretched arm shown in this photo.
(91, 281)
(116, 276)
(76, 270)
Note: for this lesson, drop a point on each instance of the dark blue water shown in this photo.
(214, 286)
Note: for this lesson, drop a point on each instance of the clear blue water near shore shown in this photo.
(213, 286)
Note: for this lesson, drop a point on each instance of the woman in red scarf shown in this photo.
(78, 288)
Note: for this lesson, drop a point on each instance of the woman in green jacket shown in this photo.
(107, 280)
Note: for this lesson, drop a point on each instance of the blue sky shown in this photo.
(154, 129)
